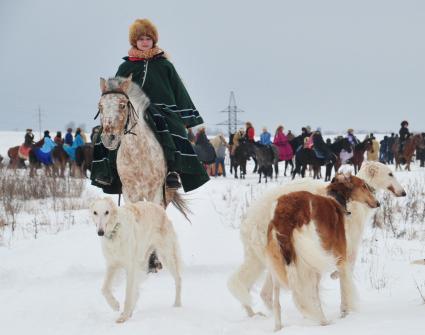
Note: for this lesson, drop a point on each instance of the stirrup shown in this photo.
(172, 180)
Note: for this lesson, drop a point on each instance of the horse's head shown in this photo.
(345, 144)
(419, 141)
(117, 114)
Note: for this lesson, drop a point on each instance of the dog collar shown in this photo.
(111, 235)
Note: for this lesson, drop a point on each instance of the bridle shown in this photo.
(131, 112)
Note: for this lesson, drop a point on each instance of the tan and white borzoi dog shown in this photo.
(254, 228)
(306, 237)
(129, 234)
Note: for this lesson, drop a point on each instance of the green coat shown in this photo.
(171, 111)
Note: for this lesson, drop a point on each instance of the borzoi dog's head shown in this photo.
(380, 177)
(345, 187)
(103, 212)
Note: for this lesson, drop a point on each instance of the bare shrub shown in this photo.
(21, 194)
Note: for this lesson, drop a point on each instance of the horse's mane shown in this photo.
(137, 97)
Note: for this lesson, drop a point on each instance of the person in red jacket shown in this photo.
(249, 132)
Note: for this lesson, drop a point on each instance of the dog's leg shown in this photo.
(246, 275)
(130, 293)
(170, 255)
(106, 288)
(347, 289)
(317, 301)
(276, 306)
(267, 291)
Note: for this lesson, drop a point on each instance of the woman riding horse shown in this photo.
(170, 112)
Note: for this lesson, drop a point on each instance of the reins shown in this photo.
(131, 112)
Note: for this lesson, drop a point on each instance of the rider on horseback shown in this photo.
(351, 137)
(29, 138)
(265, 137)
(249, 132)
(170, 113)
(404, 134)
(320, 146)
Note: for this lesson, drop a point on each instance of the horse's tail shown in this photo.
(176, 198)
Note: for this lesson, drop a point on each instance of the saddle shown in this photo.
(24, 152)
(43, 157)
(319, 154)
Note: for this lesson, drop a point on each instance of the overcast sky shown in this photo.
(328, 63)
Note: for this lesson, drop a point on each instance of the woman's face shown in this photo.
(144, 43)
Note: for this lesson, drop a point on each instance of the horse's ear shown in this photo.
(126, 83)
(102, 85)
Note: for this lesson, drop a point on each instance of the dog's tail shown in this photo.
(171, 195)
(419, 262)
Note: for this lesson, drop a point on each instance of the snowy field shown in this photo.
(51, 271)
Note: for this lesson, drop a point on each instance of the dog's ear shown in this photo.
(111, 203)
(372, 170)
(91, 205)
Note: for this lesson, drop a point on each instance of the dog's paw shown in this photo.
(123, 318)
(177, 304)
(325, 322)
(115, 305)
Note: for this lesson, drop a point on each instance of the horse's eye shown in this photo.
(107, 212)
(95, 213)
(122, 105)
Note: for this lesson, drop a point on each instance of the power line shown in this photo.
(232, 115)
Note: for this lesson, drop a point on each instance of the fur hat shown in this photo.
(142, 27)
(404, 123)
(350, 130)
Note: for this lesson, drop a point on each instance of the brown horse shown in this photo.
(405, 157)
(358, 153)
(84, 158)
(15, 160)
(59, 158)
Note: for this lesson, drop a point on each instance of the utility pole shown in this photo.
(232, 115)
(39, 121)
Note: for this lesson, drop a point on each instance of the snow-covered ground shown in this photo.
(51, 284)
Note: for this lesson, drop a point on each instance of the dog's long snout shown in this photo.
(100, 232)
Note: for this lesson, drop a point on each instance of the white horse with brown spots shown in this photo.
(141, 163)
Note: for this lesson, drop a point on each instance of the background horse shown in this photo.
(405, 156)
(59, 158)
(241, 155)
(84, 158)
(267, 157)
(336, 147)
(17, 161)
(358, 153)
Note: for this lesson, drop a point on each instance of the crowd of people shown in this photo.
(382, 151)
(70, 142)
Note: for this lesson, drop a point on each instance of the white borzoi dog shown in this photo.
(254, 229)
(129, 235)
